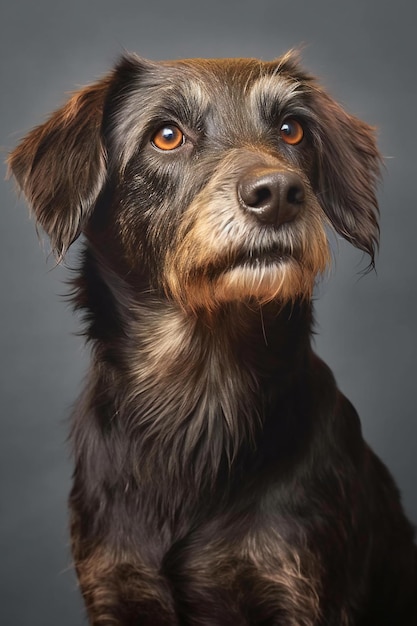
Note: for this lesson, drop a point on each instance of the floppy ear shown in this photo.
(61, 166)
(347, 173)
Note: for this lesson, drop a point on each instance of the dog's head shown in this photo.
(214, 179)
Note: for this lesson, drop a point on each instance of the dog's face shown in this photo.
(214, 179)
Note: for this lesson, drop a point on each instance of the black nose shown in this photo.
(272, 196)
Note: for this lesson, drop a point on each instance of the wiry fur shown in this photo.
(220, 476)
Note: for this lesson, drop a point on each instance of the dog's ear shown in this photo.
(348, 170)
(61, 165)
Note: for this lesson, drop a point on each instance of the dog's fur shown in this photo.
(220, 477)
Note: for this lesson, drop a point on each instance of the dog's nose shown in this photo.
(272, 196)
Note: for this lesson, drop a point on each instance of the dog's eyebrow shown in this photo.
(274, 95)
(188, 102)
(160, 102)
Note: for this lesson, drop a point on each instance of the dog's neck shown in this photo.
(195, 389)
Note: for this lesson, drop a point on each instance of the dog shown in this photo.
(221, 477)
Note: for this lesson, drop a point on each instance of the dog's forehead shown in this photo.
(211, 78)
(238, 72)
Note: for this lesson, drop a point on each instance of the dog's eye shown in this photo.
(168, 137)
(291, 131)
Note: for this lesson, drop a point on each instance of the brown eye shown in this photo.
(168, 138)
(291, 131)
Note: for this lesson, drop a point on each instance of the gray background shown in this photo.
(365, 52)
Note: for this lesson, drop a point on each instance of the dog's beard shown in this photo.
(284, 280)
(236, 262)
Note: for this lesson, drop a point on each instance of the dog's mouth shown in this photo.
(252, 274)
(256, 259)
(252, 266)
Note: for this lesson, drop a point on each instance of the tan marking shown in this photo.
(214, 230)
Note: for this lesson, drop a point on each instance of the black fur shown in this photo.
(221, 478)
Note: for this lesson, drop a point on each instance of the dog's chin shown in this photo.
(282, 278)
(264, 280)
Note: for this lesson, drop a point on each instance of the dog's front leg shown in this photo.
(124, 593)
(119, 588)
